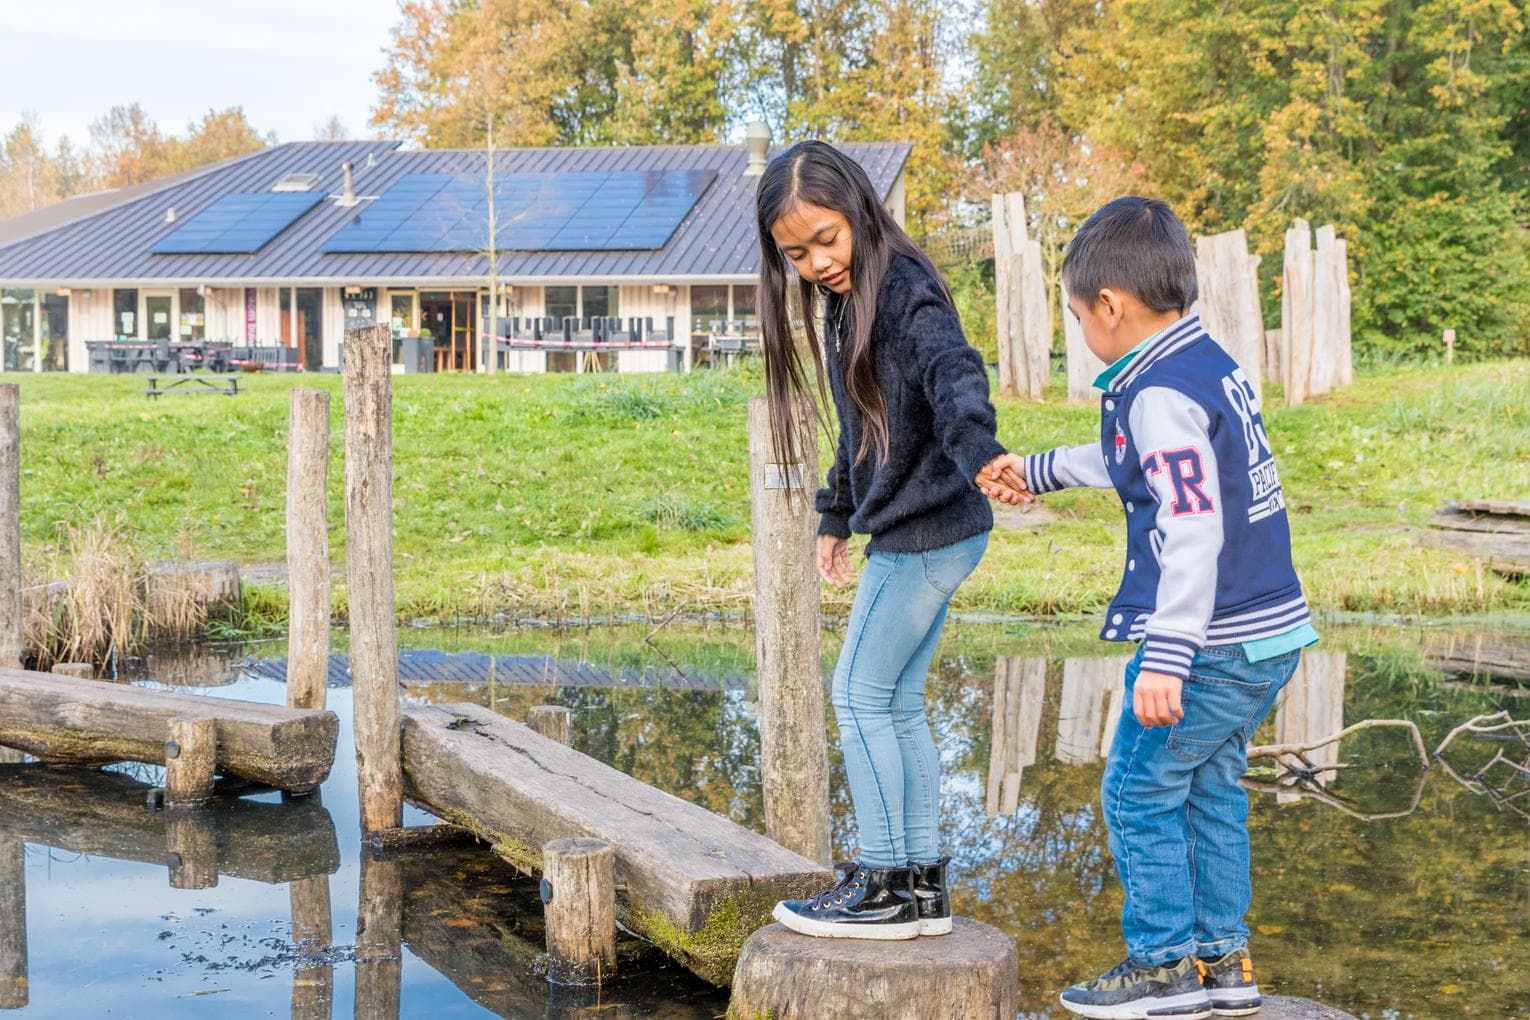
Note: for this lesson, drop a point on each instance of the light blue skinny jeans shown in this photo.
(878, 693)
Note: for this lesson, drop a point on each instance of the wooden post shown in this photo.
(13, 923)
(313, 986)
(1296, 323)
(191, 755)
(369, 573)
(1035, 319)
(794, 755)
(1450, 346)
(1004, 249)
(1326, 300)
(579, 894)
(379, 938)
(1346, 366)
(1024, 313)
(1083, 366)
(1229, 303)
(191, 844)
(83, 670)
(307, 548)
(10, 525)
(552, 721)
(1311, 707)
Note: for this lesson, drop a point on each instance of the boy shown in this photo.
(1209, 592)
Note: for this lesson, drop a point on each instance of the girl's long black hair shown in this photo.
(815, 173)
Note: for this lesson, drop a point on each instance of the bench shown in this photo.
(160, 385)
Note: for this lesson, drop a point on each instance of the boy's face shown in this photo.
(816, 242)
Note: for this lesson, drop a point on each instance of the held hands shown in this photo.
(834, 560)
(1003, 479)
(1155, 699)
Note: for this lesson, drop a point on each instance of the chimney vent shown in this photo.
(170, 215)
(371, 159)
(756, 141)
(348, 194)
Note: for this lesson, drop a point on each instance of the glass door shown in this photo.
(157, 309)
(310, 323)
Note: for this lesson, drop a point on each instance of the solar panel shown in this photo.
(237, 223)
(577, 211)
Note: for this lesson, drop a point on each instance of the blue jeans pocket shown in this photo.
(946, 568)
(1216, 708)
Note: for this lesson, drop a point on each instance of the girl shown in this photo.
(916, 431)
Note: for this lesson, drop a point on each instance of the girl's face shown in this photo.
(816, 241)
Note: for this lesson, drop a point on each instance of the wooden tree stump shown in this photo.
(552, 721)
(970, 974)
(579, 893)
(83, 670)
(191, 756)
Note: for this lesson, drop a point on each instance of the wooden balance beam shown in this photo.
(690, 880)
(72, 721)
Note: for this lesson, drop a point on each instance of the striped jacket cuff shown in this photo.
(1040, 476)
(1168, 653)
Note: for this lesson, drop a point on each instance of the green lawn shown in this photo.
(563, 495)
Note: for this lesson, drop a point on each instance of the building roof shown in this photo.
(104, 238)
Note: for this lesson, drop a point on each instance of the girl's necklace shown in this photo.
(839, 326)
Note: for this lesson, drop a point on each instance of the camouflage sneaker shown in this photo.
(1230, 983)
(1129, 992)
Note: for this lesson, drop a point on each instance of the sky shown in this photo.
(290, 63)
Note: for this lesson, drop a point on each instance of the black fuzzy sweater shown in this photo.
(940, 423)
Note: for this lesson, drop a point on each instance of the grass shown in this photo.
(560, 496)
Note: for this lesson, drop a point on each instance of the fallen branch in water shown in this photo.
(1293, 757)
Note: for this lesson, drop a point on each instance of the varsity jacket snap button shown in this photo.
(1129, 506)
(1116, 619)
(1110, 405)
(1110, 634)
(1131, 564)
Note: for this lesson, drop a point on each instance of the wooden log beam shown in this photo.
(64, 720)
(420, 837)
(693, 881)
(103, 814)
(1501, 656)
(307, 548)
(579, 899)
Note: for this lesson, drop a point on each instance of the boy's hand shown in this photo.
(1003, 479)
(1155, 699)
(834, 560)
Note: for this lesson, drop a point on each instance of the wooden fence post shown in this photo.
(379, 932)
(1083, 366)
(1296, 322)
(307, 548)
(579, 894)
(10, 525)
(794, 757)
(191, 756)
(1024, 313)
(313, 986)
(554, 722)
(1229, 302)
(1003, 265)
(13, 924)
(369, 573)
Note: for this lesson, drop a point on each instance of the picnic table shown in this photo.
(160, 385)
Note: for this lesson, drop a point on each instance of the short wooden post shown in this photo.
(794, 756)
(83, 670)
(579, 894)
(13, 923)
(369, 573)
(552, 721)
(307, 548)
(10, 525)
(313, 986)
(191, 844)
(379, 932)
(1450, 346)
(191, 758)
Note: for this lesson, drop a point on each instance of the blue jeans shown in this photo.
(1176, 816)
(890, 758)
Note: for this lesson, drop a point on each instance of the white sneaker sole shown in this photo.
(935, 926)
(1188, 1006)
(1247, 1004)
(828, 930)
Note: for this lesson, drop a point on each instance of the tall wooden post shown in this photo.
(1296, 324)
(579, 896)
(313, 986)
(13, 921)
(379, 937)
(1024, 313)
(10, 525)
(794, 758)
(369, 572)
(307, 548)
(1083, 366)
(1229, 303)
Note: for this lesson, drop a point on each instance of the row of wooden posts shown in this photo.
(1309, 355)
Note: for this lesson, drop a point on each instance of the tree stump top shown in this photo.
(971, 973)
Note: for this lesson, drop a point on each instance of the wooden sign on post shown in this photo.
(1450, 346)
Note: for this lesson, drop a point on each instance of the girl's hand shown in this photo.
(834, 560)
(1003, 479)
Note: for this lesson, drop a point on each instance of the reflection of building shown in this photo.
(289, 246)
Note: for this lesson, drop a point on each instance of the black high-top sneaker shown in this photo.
(866, 903)
(1129, 992)
(1230, 983)
(934, 901)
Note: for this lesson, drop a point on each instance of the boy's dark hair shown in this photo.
(1136, 245)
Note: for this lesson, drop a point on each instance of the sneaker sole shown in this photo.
(1188, 1006)
(1243, 1007)
(935, 926)
(828, 930)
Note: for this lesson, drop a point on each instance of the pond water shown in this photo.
(1389, 891)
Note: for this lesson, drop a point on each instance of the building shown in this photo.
(288, 246)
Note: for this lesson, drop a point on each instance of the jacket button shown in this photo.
(1116, 619)
(1110, 634)
(1129, 506)
(1110, 405)
(1131, 564)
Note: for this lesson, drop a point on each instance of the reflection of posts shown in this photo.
(555, 722)
(191, 844)
(13, 924)
(369, 572)
(1311, 707)
(379, 919)
(579, 894)
(313, 987)
(307, 548)
(794, 757)
(1085, 683)
(1019, 688)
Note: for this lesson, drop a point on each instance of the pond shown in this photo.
(1389, 890)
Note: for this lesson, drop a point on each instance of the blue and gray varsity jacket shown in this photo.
(1208, 546)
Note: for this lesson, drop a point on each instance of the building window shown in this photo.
(599, 302)
(125, 314)
(560, 302)
(18, 322)
(743, 308)
(55, 332)
(401, 308)
(192, 324)
(709, 305)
